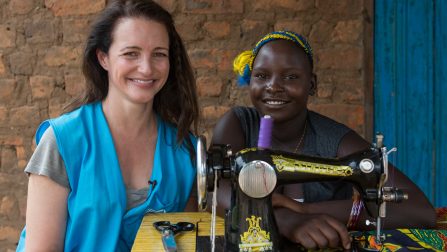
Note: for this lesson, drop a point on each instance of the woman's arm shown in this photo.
(46, 214)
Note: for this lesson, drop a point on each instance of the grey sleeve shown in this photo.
(47, 161)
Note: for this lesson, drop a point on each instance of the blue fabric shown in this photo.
(97, 218)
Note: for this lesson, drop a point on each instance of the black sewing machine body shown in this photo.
(255, 173)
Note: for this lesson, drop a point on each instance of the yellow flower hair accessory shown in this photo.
(241, 61)
(242, 66)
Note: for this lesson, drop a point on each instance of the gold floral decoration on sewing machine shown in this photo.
(255, 239)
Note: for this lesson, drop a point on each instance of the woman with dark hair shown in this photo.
(124, 147)
(279, 72)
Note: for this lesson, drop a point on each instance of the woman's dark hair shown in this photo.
(177, 101)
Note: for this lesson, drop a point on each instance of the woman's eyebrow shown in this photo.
(130, 47)
(139, 48)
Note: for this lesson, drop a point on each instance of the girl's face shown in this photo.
(281, 80)
(138, 60)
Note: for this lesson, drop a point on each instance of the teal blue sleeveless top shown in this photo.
(97, 219)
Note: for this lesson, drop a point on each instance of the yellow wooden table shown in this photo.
(149, 239)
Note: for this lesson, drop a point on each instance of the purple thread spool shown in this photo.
(265, 132)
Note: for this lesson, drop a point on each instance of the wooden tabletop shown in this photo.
(149, 239)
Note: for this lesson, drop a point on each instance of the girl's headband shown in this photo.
(243, 63)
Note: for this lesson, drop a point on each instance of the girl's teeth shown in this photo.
(275, 102)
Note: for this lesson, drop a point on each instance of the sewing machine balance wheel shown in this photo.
(201, 173)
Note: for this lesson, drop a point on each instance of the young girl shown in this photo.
(279, 72)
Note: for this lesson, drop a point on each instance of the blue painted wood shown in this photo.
(404, 87)
(440, 62)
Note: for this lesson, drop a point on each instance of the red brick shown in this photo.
(190, 28)
(294, 5)
(321, 32)
(9, 208)
(224, 59)
(201, 58)
(24, 116)
(351, 56)
(21, 153)
(11, 140)
(78, 7)
(7, 87)
(281, 5)
(210, 86)
(340, 8)
(2, 66)
(3, 115)
(42, 86)
(351, 115)
(22, 158)
(350, 90)
(21, 61)
(169, 5)
(74, 30)
(214, 6)
(352, 95)
(217, 30)
(55, 109)
(21, 6)
(8, 159)
(74, 84)
(254, 29)
(61, 55)
(8, 36)
(298, 26)
(348, 31)
(21, 164)
(214, 112)
(260, 5)
(325, 91)
(40, 30)
(22, 206)
(10, 234)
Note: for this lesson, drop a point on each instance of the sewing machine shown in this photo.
(256, 172)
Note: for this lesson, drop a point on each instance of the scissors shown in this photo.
(168, 232)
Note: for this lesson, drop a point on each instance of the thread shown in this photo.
(213, 215)
(265, 132)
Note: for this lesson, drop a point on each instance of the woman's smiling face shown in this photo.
(138, 60)
(281, 80)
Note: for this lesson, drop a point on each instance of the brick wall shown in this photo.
(41, 42)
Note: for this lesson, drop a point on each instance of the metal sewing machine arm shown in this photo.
(255, 173)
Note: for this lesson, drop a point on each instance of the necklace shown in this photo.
(283, 147)
(301, 138)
